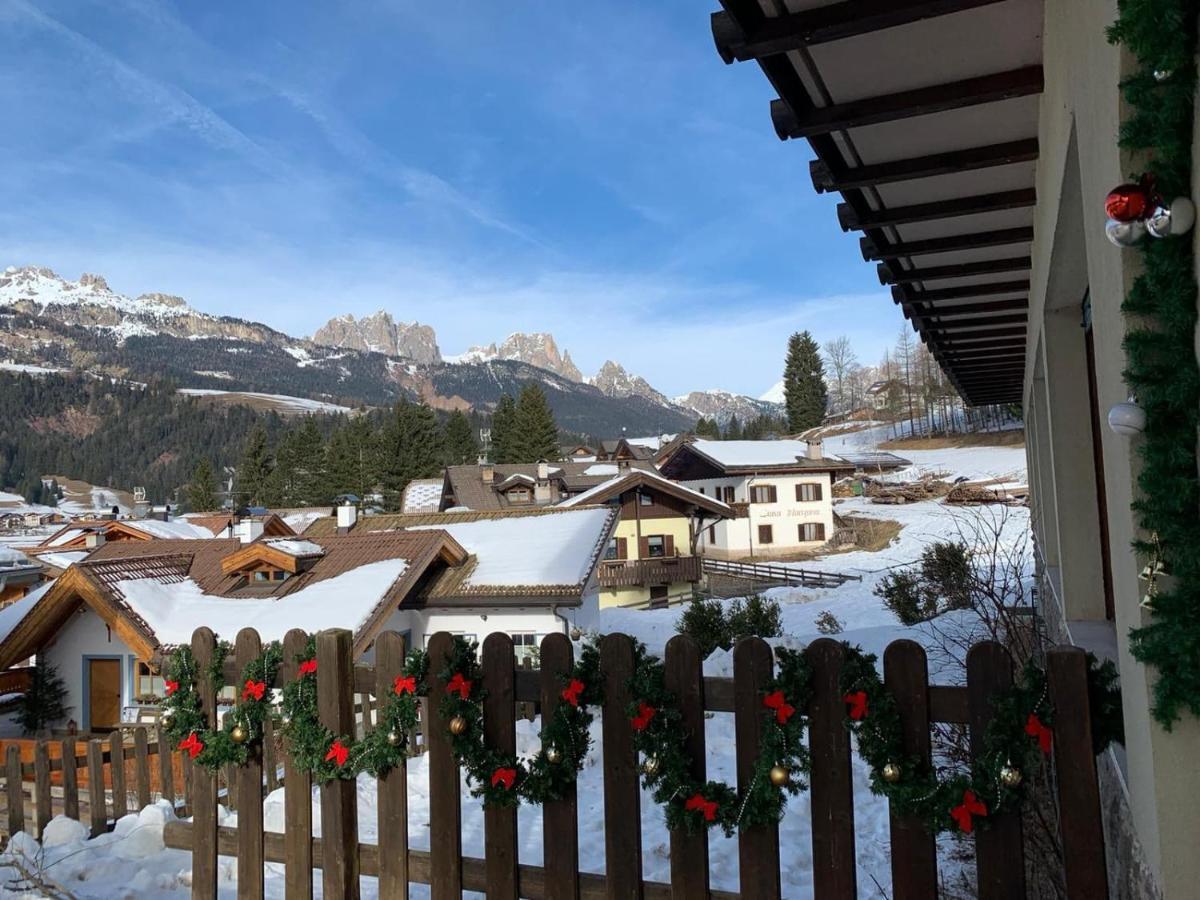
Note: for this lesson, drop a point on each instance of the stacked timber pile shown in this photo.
(907, 492)
(974, 493)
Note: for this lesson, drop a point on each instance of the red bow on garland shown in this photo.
(254, 689)
(171, 686)
(405, 684)
(970, 806)
(572, 691)
(192, 745)
(506, 777)
(857, 702)
(1035, 728)
(703, 805)
(460, 686)
(644, 714)
(338, 752)
(783, 710)
(308, 667)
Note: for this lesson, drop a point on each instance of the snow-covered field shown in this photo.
(132, 862)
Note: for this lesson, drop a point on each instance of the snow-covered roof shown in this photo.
(643, 476)
(653, 442)
(175, 529)
(740, 454)
(12, 614)
(63, 559)
(296, 548)
(12, 558)
(602, 469)
(554, 549)
(173, 611)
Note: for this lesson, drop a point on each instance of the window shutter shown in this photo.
(817, 496)
(644, 548)
(820, 529)
(764, 534)
(799, 493)
(772, 496)
(668, 545)
(622, 548)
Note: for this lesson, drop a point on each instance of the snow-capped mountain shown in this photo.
(537, 349)
(379, 333)
(614, 381)
(774, 394)
(723, 405)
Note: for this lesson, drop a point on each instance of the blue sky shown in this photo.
(593, 170)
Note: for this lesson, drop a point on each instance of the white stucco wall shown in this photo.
(739, 537)
(86, 635)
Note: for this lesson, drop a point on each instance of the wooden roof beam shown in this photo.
(823, 24)
(902, 295)
(993, 88)
(984, 335)
(850, 220)
(951, 356)
(998, 238)
(889, 275)
(830, 176)
(938, 326)
(921, 311)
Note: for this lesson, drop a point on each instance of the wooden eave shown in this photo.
(260, 553)
(937, 168)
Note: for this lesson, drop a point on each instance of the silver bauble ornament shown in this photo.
(1125, 234)
(1010, 775)
(780, 776)
(167, 717)
(651, 765)
(1162, 74)
(238, 734)
(553, 755)
(1172, 220)
(458, 725)
(1127, 418)
(395, 738)
(890, 773)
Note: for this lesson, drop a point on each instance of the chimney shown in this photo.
(814, 449)
(94, 539)
(347, 516)
(249, 530)
(543, 471)
(488, 472)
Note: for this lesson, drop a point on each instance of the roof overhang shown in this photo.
(923, 114)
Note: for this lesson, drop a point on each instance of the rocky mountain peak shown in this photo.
(95, 282)
(380, 333)
(615, 381)
(162, 300)
(537, 349)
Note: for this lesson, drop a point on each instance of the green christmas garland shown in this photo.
(1161, 367)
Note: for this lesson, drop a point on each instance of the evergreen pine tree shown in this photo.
(536, 432)
(804, 383)
(413, 448)
(43, 703)
(311, 476)
(733, 429)
(504, 430)
(352, 459)
(202, 490)
(461, 445)
(253, 470)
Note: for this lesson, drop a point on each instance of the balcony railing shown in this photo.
(639, 572)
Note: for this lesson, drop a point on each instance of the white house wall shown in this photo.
(86, 635)
(420, 625)
(739, 537)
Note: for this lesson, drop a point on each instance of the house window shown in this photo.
(727, 493)
(656, 546)
(765, 534)
(262, 576)
(520, 495)
(812, 531)
(610, 552)
(524, 645)
(645, 500)
(702, 490)
(149, 684)
(763, 493)
(808, 492)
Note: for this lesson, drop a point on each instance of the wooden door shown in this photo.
(104, 694)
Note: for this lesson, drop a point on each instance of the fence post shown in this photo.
(1075, 765)
(270, 756)
(141, 760)
(15, 789)
(913, 852)
(758, 846)
(166, 768)
(560, 820)
(339, 811)
(70, 780)
(41, 784)
(97, 797)
(246, 649)
(297, 794)
(393, 787)
(500, 733)
(684, 679)
(116, 769)
(830, 787)
(1000, 863)
(622, 794)
(445, 827)
(204, 780)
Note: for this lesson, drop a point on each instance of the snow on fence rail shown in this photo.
(341, 858)
(768, 573)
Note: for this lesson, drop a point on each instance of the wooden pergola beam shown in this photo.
(983, 335)
(889, 274)
(997, 238)
(827, 176)
(850, 219)
(823, 24)
(997, 364)
(985, 353)
(918, 311)
(938, 326)
(902, 295)
(992, 88)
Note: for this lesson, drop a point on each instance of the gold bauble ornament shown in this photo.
(458, 725)
(1010, 775)
(890, 773)
(553, 755)
(576, 633)
(395, 738)
(780, 776)
(238, 734)
(166, 718)
(651, 765)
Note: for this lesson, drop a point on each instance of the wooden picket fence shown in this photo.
(342, 859)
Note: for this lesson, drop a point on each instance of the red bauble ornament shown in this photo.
(506, 777)
(1128, 203)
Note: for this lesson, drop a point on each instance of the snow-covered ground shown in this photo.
(132, 861)
(281, 402)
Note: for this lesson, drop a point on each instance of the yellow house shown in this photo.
(651, 557)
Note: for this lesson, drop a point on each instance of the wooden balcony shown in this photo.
(640, 572)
